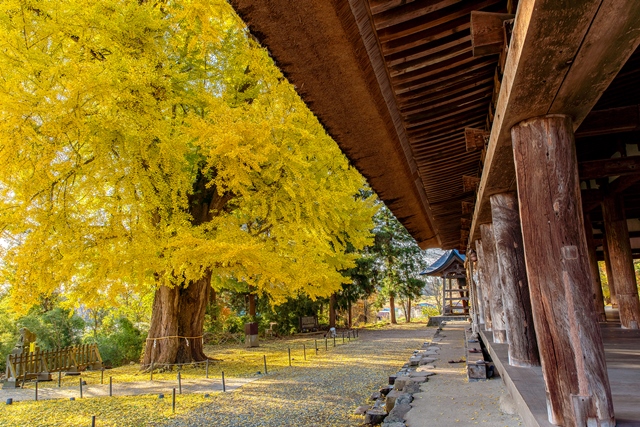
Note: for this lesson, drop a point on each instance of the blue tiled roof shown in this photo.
(444, 262)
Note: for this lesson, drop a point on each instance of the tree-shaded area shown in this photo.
(154, 145)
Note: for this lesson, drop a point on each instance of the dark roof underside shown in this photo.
(395, 84)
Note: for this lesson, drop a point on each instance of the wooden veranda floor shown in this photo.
(622, 351)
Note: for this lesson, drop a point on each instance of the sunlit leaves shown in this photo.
(111, 113)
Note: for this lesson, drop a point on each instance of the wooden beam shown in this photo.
(487, 32)
(569, 338)
(523, 349)
(475, 139)
(595, 169)
(465, 223)
(612, 120)
(548, 61)
(467, 208)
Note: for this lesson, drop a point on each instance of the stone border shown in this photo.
(393, 401)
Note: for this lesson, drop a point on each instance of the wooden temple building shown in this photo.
(455, 290)
(507, 129)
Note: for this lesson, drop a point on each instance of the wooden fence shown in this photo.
(39, 364)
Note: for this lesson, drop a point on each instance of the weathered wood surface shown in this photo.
(619, 247)
(609, 167)
(569, 339)
(612, 120)
(492, 276)
(484, 285)
(523, 349)
(597, 38)
(475, 139)
(611, 280)
(476, 277)
(596, 284)
(487, 32)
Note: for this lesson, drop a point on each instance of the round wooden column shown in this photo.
(478, 291)
(567, 329)
(617, 235)
(492, 274)
(523, 349)
(596, 284)
(610, 279)
(485, 285)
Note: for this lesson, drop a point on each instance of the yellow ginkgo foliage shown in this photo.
(155, 144)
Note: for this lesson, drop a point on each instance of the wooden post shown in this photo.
(484, 285)
(569, 338)
(617, 235)
(444, 295)
(596, 284)
(492, 275)
(610, 279)
(523, 349)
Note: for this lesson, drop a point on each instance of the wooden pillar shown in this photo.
(498, 325)
(476, 290)
(568, 333)
(486, 287)
(617, 235)
(444, 295)
(523, 349)
(596, 284)
(610, 279)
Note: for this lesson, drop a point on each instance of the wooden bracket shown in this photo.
(467, 208)
(475, 139)
(470, 183)
(487, 32)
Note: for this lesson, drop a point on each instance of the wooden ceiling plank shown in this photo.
(380, 6)
(485, 91)
(412, 11)
(453, 90)
(423, 23)
(444, 113)
(424, 62)
(463, 68)
(428, 49)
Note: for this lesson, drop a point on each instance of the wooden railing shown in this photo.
(40, 363)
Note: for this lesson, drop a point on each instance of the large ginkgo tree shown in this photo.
(154, 143)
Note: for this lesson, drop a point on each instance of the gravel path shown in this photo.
(322, 393)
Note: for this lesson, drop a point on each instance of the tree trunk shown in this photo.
(332, 311)
(252, 307)
(177, 324)
(392, 308)
(408, 315)
(569, 338)
(492, 275)
(349, 319)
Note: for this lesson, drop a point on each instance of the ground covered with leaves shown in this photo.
(323, 390)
